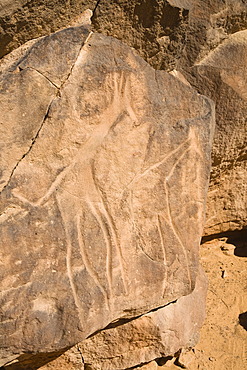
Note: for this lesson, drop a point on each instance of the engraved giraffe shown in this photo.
(90, 196)
(189, 144)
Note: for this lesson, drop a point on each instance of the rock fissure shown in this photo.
(42, 74)
(80, 352)
(95, 8)
(59, 88)
(29, 149)
(124, 320)
(78, 55)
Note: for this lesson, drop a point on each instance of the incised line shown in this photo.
(155, 165)
(164, 254)
(69, 266)
(105, 232)
(103, 208)
(86, 261)
(176, 235)
(136, 230)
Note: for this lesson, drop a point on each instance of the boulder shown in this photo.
(151, 339)
(105, 167)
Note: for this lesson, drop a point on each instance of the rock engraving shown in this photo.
(102, 217)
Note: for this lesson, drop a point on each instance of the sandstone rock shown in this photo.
(157, 335)
(104, 184)
(226, 82)
(23, 20)
(28, 88)
(160, 333)
(195, 30)
(182, 34)
(174, 34)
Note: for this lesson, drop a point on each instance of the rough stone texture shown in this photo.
(23, 20)
(168, 34)
(158, 334)
(181, 34)
(225, 81)
(174, 34)
(104, 180)
(154, 28)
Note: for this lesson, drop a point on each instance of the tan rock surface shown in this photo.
(174, 34)
(225, 81)
(23, 20)
(223, 340)
(103, 200)
(182, 34)
(28, 88)
(158, 334)
(190, 40)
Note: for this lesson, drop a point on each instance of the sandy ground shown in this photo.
(223, 340)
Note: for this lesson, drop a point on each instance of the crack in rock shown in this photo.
(48, 109)
(31, 146)
(42, 74)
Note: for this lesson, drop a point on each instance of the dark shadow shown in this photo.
(32, 362)
(240, 242)
(170, 18)
(130, 368)
(163, 360)
(145, 11)
(241, 251)
(243, 320)
(123, 321)
(178, 364)
(238, 238)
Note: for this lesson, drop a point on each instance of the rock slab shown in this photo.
(157, 335)
(161, 333)
(104, 174)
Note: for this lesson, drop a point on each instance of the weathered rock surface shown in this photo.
(104, 180)
(157, 334)
(173, 34)
(182, 34)
(225, 81)
(23, 20)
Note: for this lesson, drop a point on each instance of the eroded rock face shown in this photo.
(181, 35)
(23, 20)
(103, 189)
(168, 34)
(226, 82)
(157, 334)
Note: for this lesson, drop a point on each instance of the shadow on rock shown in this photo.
(243, 320)
(237, 238)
